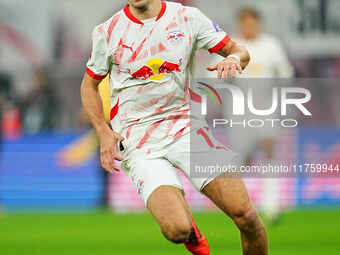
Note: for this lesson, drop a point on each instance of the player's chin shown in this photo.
(140, 4)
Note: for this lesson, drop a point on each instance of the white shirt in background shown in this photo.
(268, 60)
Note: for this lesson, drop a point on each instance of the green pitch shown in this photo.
(104, 233)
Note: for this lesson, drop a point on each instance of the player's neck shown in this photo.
(153, 10)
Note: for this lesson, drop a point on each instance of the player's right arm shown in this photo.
(97, 69)
(108, 139)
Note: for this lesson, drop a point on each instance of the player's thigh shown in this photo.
(230, 195)
(159, 185)
(150, 174)
(169, 208)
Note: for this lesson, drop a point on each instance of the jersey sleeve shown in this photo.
(99, 63)
(209, 35)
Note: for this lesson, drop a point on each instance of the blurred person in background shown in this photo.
(268, 60)
(40, 107)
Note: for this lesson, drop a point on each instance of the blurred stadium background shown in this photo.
(55, 199)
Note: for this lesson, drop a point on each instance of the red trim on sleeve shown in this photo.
(220, 45)
(95, 76)
(134, 19)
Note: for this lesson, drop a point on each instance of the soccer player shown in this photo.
(268, 60)
(148, 50)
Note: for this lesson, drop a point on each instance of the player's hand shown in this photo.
(226, 66)
(109, 151)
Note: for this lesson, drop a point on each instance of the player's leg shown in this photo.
(169, 208)
(231, 196)
(179, 155)
(160, 187)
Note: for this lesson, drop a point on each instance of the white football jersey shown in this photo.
(150, 64)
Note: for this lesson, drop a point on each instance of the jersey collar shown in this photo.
(134, 19)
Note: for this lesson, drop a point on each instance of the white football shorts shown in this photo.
(160, 169)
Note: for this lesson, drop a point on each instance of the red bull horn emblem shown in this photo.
(156, 69)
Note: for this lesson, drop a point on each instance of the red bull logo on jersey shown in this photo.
(156, 69)
(176, 37)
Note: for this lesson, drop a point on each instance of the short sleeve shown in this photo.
(209, 34)
(99, 63)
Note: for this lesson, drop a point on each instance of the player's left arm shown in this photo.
(236, 60)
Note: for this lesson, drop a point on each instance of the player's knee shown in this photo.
(178, 233)
(248, 221)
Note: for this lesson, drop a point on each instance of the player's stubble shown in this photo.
(141, 5)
